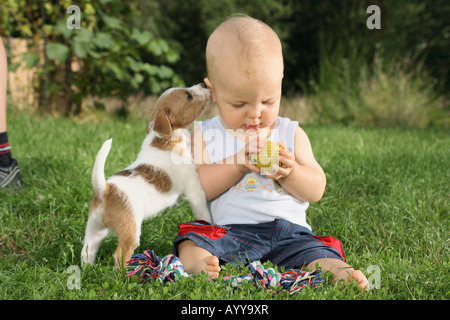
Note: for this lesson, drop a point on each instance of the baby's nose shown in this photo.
(255, 112)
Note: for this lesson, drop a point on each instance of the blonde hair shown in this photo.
(254, 42)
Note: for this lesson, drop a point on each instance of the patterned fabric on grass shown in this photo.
(148, 266)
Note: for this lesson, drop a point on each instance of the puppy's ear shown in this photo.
(161, 123)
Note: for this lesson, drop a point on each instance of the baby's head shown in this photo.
(245, 71)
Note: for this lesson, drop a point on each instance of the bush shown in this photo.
(108, 56)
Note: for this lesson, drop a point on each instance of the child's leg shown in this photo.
(196, 259)
(340, 269)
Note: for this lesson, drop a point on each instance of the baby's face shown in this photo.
(248, 101)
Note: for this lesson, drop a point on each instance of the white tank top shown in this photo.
(255, 198)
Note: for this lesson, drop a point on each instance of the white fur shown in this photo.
(98, 175)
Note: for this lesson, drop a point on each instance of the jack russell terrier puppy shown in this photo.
(153, 182)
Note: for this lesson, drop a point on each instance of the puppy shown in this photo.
(162, 172)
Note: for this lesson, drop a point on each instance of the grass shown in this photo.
(386, 200)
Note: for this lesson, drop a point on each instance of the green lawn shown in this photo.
(386, 200)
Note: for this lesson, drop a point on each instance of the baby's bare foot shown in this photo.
(209, 264)
(360, 279)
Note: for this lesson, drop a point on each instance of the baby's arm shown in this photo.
(302, 178)
(216, 178)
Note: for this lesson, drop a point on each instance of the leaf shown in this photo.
(112, 22)
(92, 294)
(155, 86)
(30, 59)
(57, 51)
(94, 54)
(165, 72)
(158, 46)
(137, 79)
(172, 56)
(141, 37)
(81, 42)
(115, 69)
(79, 49)
(89, 10)
(48, 8)
(103, 40)
(26, 29)
(84, 35)
(12, 67)
(61, 26)
(150, 69)
(133, 64)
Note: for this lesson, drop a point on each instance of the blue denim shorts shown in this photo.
(281, 242)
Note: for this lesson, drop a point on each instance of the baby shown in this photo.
(256, 216)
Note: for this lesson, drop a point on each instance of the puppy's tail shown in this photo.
(98, 174)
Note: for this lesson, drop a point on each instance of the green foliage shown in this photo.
(367, 78)
(114, 57)
(148, 45)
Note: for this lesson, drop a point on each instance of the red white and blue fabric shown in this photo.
(148, 267)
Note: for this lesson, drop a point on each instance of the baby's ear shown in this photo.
(208, 83)
(210, 87)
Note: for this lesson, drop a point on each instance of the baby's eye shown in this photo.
(237, 105)
(268, 102)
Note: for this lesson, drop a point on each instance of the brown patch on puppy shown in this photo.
(162, 143)
(165, 143)
(119, 216)
(159, 178)
(95, 203)
(124, 173)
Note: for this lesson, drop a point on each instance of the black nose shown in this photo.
(203, 85)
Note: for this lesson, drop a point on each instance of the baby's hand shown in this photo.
(241, 159)
(286, 165)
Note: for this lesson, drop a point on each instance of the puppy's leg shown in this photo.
(195, 195)
(128, 242)
(95, 233)
(120, 217)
